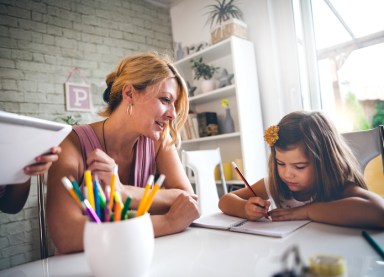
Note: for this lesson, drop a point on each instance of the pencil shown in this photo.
(373, 243)
(68, 185)
(88, 184)
(247, 184)
(107, 211)
(76, 187)
(242, 178)
(100, 192)
(96, 198)
(152, 194)
(127, 204)
(145, 195)
(91, 212)
(112, 184)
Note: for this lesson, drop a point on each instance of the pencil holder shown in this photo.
(123, 248)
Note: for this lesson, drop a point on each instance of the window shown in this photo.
(347, 38)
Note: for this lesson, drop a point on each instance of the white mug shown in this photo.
(123, 248)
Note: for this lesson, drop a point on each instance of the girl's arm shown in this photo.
(359, 208)
(16, 195)
(243, 203)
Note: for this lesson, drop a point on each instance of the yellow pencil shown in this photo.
(68, 185)
(152, 194)
(112, 184)
(145, 194)
(89, 185)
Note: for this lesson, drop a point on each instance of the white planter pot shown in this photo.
(207, 85)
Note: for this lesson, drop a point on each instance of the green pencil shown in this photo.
(373, 243)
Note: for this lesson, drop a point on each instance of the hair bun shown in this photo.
(107, 93)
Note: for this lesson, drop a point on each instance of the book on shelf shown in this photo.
(190, 129)
(208, 124)
(263, 226)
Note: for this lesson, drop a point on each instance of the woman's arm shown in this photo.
(243, 203)
(16, 195)
(65, 218)
(358, 208)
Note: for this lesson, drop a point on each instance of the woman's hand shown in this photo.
(43, 162)
(183, 211)
(256, 207)
(297, 213)
(99, 163)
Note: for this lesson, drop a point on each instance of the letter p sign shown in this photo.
(78, 97)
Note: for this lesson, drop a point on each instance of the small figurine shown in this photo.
(225, 79)
(191, 90)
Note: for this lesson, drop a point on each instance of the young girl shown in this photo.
(312, 175)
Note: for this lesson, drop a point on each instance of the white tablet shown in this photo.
(22, 139)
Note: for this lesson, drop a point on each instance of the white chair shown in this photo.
(203, 164)
(366, 145)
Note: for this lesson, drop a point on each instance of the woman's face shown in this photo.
(154, 109)
(295, 169)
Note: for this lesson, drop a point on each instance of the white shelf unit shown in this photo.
(246, 143)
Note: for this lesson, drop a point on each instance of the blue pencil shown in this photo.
(96, 196)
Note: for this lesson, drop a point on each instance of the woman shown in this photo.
(147, 105)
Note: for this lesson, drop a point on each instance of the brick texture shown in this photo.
(40, 43)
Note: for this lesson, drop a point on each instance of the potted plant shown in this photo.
(205, 71)
(226, 19)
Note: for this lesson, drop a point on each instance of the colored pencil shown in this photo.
(68, 185)
(127, 205)
(89, 185)
(90, 211)
(76, 187)
(373, 243)
(145, 194)
(112, 184)
(152, 194)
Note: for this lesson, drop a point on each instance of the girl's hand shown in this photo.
(256, 207)
(297, 213)
(43, 162)
(102, 165)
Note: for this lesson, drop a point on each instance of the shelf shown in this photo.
(211, 138)
(210, 53)
(213, 95)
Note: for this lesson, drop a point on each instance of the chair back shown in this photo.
(366, 145)
(203, 164)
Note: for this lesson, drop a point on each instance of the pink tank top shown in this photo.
(144, 153)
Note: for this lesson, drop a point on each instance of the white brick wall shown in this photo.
(40, 42)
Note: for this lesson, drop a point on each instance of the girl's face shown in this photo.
(156, 108)
(295, 169)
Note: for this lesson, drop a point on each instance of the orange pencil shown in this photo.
(118, 206)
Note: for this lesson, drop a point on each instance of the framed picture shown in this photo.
(78, 97)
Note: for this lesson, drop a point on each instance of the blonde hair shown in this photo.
(334, 163)
(141, 71)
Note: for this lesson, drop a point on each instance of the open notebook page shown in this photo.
(218, 221)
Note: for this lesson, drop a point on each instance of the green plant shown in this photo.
(378, 117)
(70, 120)
(203, 70)
(222, 11)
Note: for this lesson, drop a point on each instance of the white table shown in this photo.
(207, 252)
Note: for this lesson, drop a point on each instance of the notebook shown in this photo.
(22, 139)
(262, 226)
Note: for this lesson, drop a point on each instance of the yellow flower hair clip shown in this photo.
(271, 135)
